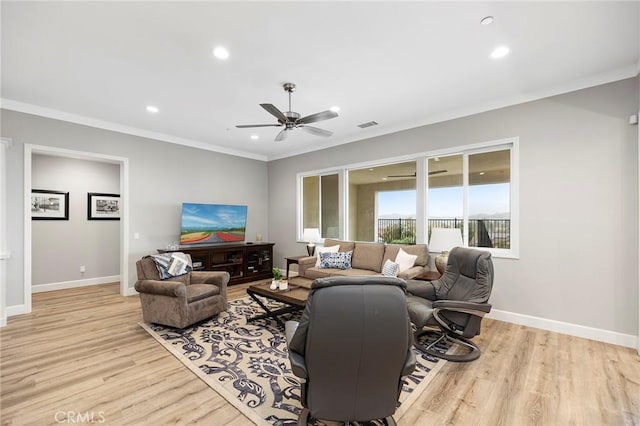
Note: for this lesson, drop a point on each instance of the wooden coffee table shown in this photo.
(295, 298)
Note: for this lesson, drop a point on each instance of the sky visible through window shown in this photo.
(484, 200)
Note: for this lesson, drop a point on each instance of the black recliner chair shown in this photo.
(454, 305)
(352, 347)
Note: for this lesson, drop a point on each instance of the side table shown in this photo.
(428, 276)
(292, 260)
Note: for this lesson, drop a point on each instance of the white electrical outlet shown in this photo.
(83, 269)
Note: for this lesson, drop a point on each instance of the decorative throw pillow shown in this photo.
(405, 260)
(390, 268)
(339, 260)
(320, 250)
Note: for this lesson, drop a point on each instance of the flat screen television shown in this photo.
(212, 223)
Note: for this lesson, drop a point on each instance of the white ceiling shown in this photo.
(402, 64)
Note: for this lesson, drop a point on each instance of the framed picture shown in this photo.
(49, 205)
(103, 206)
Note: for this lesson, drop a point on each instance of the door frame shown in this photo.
(123, 162)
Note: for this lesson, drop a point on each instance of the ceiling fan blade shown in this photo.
(437, 172)
(316, 131)
(282, 135)
(273, 110)
(243, 126)
(318, 116)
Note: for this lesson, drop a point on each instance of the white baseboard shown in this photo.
(130, 291)
(606, 336)
(3, 320)
(73, 284)
(16, 310)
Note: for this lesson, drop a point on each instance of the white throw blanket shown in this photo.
(172, 264)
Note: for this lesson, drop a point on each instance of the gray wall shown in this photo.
(162, 176)
(60, 247)
(578, 201)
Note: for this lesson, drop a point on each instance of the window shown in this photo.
(320, 204)
(445, 193)
(472, 188)
(396, 217)
(489, 199)
(472, 191)
(390, 221)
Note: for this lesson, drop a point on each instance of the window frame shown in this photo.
(501, 145)
(422, 189)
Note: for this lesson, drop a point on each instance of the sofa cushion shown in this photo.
(368, 256)
(340, 260)
(353, 272)
(325, 249)
(420, 250)
(344, 245)
(390, 268)
(405, 260)
(197, 292)
(315, 272)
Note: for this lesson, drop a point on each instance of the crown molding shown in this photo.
(13, 105)
(572, 86)
(608, 77)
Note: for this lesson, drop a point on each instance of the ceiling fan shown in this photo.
(435, 172)
(292, 120)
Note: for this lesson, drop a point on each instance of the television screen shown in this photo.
(212, 223)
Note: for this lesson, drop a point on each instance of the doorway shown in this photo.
(122, 162)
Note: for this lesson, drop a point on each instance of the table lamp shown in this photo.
(311, 236)
(443, 240)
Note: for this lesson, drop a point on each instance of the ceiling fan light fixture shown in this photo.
(335, 108)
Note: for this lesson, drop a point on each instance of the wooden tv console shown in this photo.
(243, 261)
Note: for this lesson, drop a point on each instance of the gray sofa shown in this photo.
(367, 259)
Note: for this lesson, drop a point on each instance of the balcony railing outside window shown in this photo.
(493, 233)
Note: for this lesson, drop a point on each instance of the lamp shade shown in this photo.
(311, 235)
(444, 239)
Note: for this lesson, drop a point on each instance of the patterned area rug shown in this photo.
(248, 364)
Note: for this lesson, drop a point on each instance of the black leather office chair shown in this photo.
(455, 304)
(352, 347)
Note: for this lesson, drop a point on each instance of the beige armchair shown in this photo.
(180, 301)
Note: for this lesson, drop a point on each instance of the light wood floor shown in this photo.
(81, 352)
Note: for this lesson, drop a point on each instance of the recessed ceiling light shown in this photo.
(220, 52)
(487, 20)
(255, 137)
(370, 170)
(152, 108)
(384, 178)
(500, 52)
(334, 108)
(481, 173)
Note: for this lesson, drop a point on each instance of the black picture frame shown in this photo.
(101, 206)
(49, 205)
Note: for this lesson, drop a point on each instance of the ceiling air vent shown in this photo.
(368, 124)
